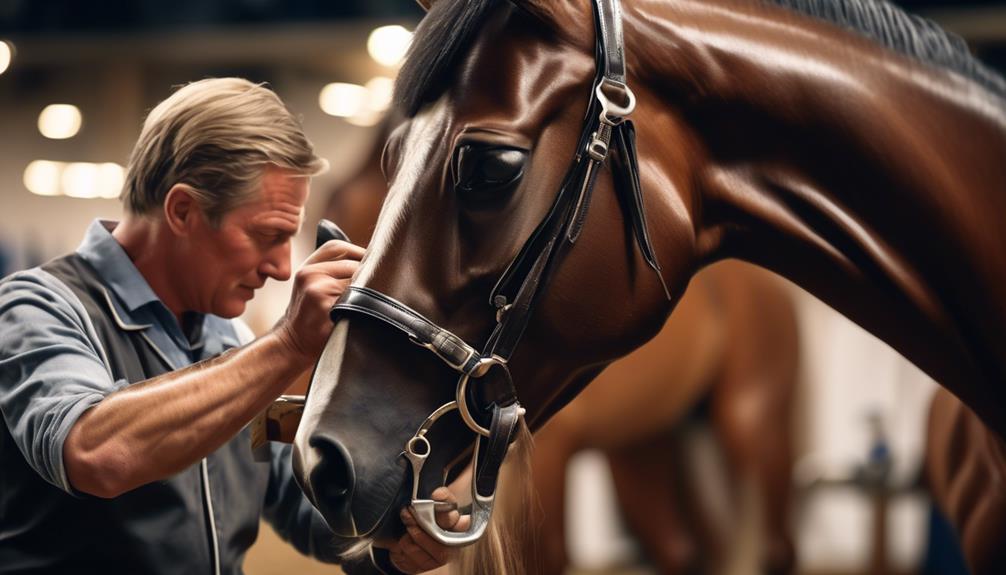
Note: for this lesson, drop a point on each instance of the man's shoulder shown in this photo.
(36, 304)
(32, 285)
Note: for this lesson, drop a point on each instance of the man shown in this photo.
(125, 389)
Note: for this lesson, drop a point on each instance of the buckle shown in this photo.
(450, 348)
(612, 113)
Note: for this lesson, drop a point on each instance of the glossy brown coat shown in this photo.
(874, 181)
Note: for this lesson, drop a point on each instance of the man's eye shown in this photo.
(483, 172)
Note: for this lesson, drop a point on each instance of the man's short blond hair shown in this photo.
(216, 136)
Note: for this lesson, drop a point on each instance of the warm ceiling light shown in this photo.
(380, 91)
(80, 180)
(110, 177)
(5, 56)
(76, 180)
(343, 100)
(387, 45)
(365, 119)
(41, 177)
(59, 121)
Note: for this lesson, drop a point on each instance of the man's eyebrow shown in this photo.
(282, 226)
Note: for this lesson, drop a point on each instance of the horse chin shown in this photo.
(379, 520)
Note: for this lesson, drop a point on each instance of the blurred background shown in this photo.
(77, 78)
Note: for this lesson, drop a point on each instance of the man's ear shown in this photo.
(181, 209)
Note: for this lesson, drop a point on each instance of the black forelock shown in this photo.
(441, 40)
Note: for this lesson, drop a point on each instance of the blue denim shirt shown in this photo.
(52, 369)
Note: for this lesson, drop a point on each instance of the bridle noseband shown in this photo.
(515, 294)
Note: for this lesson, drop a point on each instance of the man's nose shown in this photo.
(277, 263)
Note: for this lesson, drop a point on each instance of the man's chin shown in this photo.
(231, 309)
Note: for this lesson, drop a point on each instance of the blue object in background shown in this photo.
(943, 552)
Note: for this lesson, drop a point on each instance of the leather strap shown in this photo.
(421, 331)
(627, 171)
(493, 449)
(608, 23)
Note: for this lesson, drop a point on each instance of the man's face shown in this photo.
(251, 245)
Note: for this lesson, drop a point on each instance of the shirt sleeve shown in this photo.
(299, 523)
(51, 368)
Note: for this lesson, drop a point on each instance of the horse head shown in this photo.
(496, 215)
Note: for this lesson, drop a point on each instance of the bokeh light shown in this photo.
(59, 121)
(387, 45)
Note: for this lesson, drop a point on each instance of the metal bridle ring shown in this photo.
(411, 447)
(461, 395)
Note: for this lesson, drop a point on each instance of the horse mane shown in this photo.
(448, 30)
(902, 32)
(440, 40)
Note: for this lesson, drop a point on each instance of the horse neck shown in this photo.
(874, 182)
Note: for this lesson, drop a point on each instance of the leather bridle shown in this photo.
(485, 396)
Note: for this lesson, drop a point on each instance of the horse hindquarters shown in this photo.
(966, 473)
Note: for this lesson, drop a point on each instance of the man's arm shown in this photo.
(151, 430)
(154, 429)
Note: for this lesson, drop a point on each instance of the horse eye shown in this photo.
(484, 172)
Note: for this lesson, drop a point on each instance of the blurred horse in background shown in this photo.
(731, 344)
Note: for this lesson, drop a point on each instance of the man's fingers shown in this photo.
(463, 524)
(439, 553)
(335, 250)
(415, 551)
(447, 519)
(402, 562)
(338, 269)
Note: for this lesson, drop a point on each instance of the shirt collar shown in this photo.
(110, 260)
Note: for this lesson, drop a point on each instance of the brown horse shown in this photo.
(732, 338)
(870, 172)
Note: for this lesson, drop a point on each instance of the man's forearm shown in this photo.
(156, 428)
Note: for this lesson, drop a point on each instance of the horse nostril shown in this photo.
(332, 477)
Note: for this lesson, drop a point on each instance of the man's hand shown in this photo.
(416, 551)
(317, 285)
